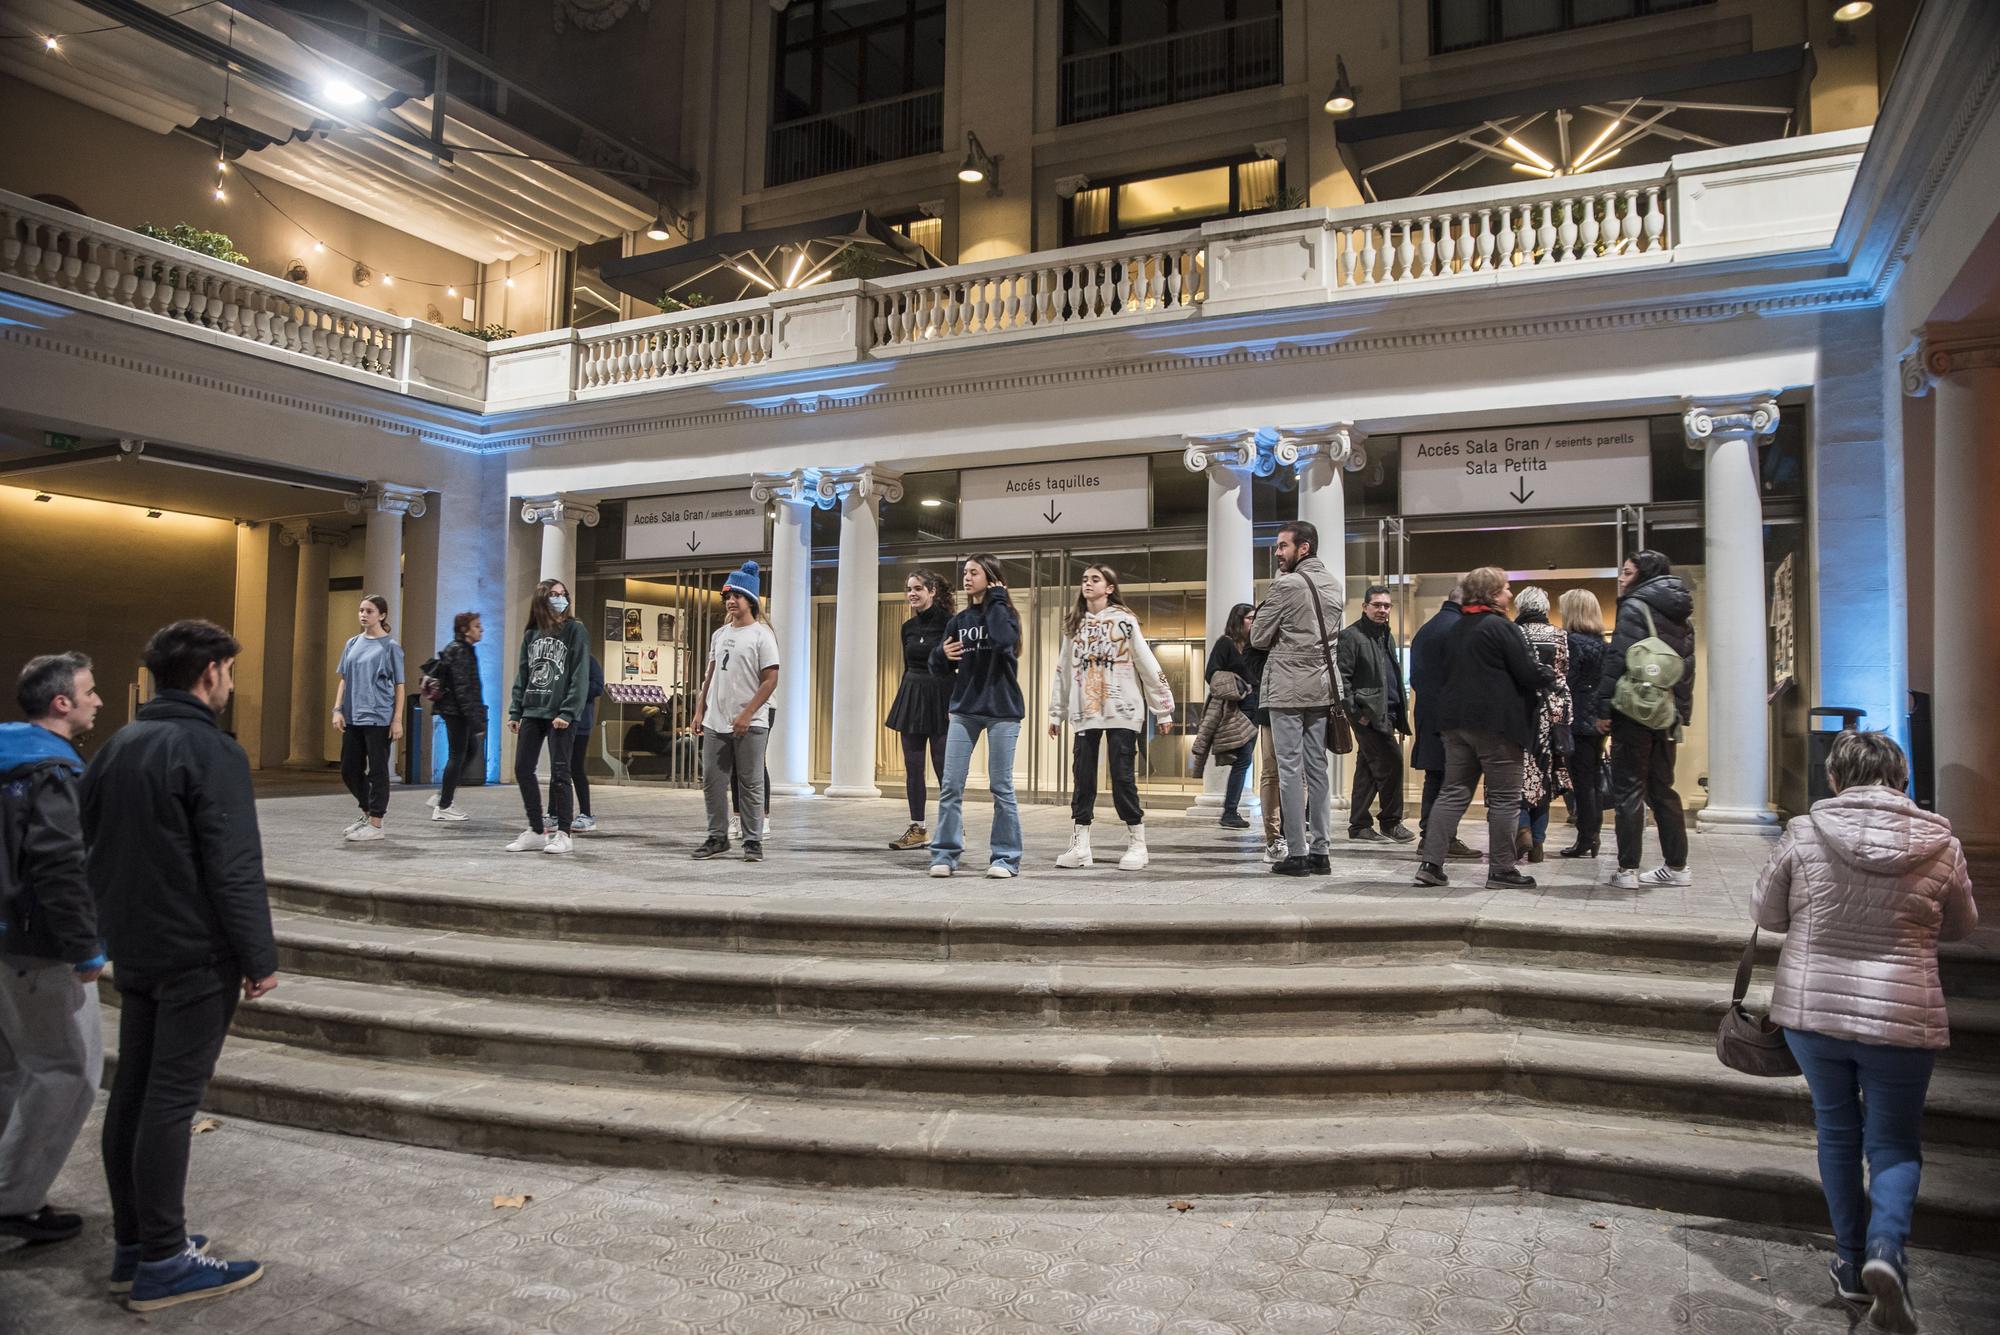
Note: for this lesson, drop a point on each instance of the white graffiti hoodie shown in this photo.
(1099, 675)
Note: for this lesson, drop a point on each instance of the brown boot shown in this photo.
(1524, 844)
(914, 837)
(1535, 851)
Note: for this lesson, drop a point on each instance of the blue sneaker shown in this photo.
(187, 1278)
(1846, 1278)
(125, 1261)
(1887, 1279)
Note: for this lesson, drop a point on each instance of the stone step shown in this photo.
(1076, 995)
(1435, 1143)
(1349, 933)
(1182, 1073)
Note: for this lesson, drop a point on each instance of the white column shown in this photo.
(1735, 620)
(309, 707)
(559, 516)
(1961, 365)
(795, 495)
(1232, 571)
(384, 504)
(856, 626)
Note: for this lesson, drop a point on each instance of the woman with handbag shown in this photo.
(1864, 887)
(1547, 770)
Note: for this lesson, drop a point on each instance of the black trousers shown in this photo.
(1123, 744)
(915, 744)
(1586, 772)
(170, 1031)
(527, 753)
(579, 769)
(364, 765)
(1378, 777)
(457, 743)
(1642, 777)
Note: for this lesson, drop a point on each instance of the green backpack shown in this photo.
(1645, 691)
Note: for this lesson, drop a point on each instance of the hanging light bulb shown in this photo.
(510, 281)
(49, 43)
(451, 291)
(387, 281)
(319, 247)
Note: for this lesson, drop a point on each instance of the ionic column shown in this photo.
(309, 708)
(856, 624)
(1735, 618)
(559, 515)
(385, 504)
(1961, 366)
(796, 495)
(1317, 458)
(1230, 464)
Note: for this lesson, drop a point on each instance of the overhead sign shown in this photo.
(701, 523)
(1529, 468)
(1077, 496)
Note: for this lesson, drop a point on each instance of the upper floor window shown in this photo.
(1135, 205)
(856, 82)
(1127, 55)
(1459, 24)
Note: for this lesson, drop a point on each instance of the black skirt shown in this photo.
(922, 707)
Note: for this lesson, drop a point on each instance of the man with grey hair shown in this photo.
(51, 1041)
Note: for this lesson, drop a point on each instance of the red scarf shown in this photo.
(1470, 608)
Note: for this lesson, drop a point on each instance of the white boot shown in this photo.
(1078, 853)
(1135, 849)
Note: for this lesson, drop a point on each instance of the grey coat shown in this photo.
(1295, 674)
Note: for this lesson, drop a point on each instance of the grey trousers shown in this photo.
(1468, 755)
(1305, 797)
(724, 756)
(51, 1062)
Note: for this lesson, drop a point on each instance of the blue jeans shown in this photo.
(1536, 820)
(1868, 1098)
(1233, 794)
(1001, 735)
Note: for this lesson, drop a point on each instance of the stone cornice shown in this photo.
(1728, 419)
(559, 509)
(1943, 350)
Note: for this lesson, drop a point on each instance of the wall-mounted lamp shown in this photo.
(1341, 100)
(979, 165)
(1853, 10)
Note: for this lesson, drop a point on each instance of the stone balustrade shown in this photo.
(671, 347)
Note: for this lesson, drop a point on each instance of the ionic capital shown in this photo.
(558, 509)
(1339, 444)
(824, 488)
(1236, 450)
(1728, 419)
(1942, 350)
(305, 533)
(389, 498)
(798, 487)
(1263, 450)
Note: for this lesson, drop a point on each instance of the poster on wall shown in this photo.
(640, 638)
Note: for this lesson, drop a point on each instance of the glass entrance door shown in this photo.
(651, 633)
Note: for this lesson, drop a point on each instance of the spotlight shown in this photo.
(1341, 100)
(979, 165)
(152, 514)
(930, 502)
(43, 496)
(659, 231)
(1854, 9)
(342, 93)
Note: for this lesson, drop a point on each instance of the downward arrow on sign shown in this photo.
(1521, 492)
(1053, 514)
(694, 544)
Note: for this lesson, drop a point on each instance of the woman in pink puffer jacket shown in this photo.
(1864, 887)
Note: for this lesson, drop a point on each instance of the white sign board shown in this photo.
(698, 524)
(1077, 496)
(1528, 468)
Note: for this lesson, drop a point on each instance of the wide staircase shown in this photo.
(1119, 1051)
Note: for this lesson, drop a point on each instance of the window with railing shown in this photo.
(1166, 201)
(1128, 55)
(856, 82)
(1457, 25)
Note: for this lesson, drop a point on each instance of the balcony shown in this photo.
(838, 141)
(1162, 71)
(1746, 206)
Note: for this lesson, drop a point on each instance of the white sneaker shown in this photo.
(558, 843)
(527, 841)
(354, 825)
(940, 869)
(1135, 849)
(432, 800)
(448, 813)
(365, 833)
(1624, 879)
(1078, 852)
(582, 823)
(999, 871)
(1275, 850)
(1668, 876)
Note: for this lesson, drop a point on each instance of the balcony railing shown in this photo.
(895, 127)
(1227, 58)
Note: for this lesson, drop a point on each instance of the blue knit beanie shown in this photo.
(746, 581)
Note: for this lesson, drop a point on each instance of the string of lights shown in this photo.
(52, 41)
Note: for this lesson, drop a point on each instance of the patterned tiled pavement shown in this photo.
(363, 1237)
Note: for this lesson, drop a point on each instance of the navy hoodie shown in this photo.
(983, 681)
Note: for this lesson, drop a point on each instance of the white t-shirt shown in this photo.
(737, 657)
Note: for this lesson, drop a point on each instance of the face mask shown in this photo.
(559, 603)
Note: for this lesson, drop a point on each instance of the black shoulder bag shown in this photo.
(1751, 1043)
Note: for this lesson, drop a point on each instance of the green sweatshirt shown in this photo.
(553, 679)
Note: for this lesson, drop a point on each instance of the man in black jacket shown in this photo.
(1366, 655)
(1490, 688)
(1427, 649)
(178, 870)
(51, 1038)
(1652, 600)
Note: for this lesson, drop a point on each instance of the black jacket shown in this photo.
(1492, 679)
(1426, 676)
(175, 859)
(1366, 656)
(591, 696)
(1673, 612)
(921, 634)
(1248, 664)
(52, 916)
(1586, 669)
(458, 672)
(984, 681)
